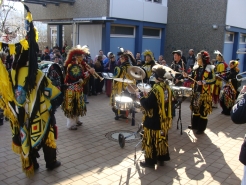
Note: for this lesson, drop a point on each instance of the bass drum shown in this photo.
(53, 71)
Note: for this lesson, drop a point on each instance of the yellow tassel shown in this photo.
(24, 44)
(29, 16)
(25, 162)
(29, 172)
(50, 141)
(36, 34)
(16, 149)
(12, 49)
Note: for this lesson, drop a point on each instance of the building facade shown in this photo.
(159, 25)
(209, 25)
(135, 25)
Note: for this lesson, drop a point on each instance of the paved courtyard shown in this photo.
(88, 157)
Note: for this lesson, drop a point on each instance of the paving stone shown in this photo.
(88, 157)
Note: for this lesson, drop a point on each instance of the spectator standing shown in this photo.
(100, 54)
(191, 59)
(109, 68)
(99, 69)
(160, 59)
(106, 60)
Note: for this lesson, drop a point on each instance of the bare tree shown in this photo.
(11, 22)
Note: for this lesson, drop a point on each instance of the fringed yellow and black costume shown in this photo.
(26, 97)
(157, 120)
(118, 87)
(219, 68)
(39, 131)
(148, 65)
(76, 77)
(229, 93)
(201, 103)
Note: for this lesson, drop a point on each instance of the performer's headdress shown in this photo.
(127, 54)
(179, 52)
(26, 52)
(235, 64)
(160, 73)
(149, 53)
(76, 51)
(204, 55)
(217, 52)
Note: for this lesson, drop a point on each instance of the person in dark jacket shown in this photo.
(156, 121)
(191, 59)
(238, 116)
(179, 66)
(229, 94)
(109, 68)
(99, 69)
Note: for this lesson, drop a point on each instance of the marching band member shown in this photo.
(157, 120)
(119, 87)
(76, 77)
(148, 65)
(229, 95)
(29, 101)
(178, 65)
(219, 67)
(201, 103)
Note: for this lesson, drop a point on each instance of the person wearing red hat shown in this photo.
(201, 103)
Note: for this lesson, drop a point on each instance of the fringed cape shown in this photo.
(165, 117)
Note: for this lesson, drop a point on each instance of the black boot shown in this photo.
(202, 126)
(50, 157)
(194, 122)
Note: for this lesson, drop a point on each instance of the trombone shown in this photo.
(239, 76)
(96, 75)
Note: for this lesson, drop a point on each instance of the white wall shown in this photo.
(236, 13)
(91, 35)
(139, 10)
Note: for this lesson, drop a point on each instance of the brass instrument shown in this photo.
(95, 74)
(241, 78)
(79, 60)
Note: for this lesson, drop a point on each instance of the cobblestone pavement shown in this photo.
(88, 157)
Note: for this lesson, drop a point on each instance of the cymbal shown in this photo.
(123, 80)
(136, 72)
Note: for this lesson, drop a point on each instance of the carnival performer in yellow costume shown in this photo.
(29, 101)
(219, 68)
(148, 65)
(119, 87)
(201, 103)
(157, 120)
(76, 77)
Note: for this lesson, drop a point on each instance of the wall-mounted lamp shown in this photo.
(215, 26)
(228, 27)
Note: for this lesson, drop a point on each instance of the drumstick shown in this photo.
(192, 79)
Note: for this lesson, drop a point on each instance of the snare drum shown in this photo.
(123, 103)
(177, 92)
(143, 87)
(137, 106)
(186, 91)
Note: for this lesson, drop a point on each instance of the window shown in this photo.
(229, 37)
(151, 32)
(155, 1)
(122, 31)
(53, 31)
(242, 38)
